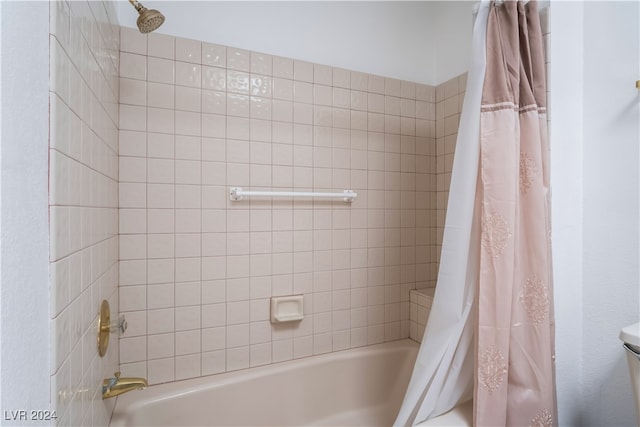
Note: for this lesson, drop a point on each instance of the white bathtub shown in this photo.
(460, 416)
(362, 386)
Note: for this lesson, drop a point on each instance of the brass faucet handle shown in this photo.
(117, 375)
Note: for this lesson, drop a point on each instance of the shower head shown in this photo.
(148, 20)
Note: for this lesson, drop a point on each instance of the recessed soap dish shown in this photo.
(287, 309)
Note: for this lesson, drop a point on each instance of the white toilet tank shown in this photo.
(630, 335)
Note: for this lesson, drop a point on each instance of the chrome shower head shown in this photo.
(148, 20)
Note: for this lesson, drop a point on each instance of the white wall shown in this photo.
(595, 135)
(1, 17)
(611, 215)
(452, 37)
(392, 39)
(24, 213)
(566, 102)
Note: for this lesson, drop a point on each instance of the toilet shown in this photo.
(630, 335)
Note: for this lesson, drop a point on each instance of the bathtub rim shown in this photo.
(137, 400)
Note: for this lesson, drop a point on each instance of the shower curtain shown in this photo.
(491, 328)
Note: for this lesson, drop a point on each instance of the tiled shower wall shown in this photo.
(83, 190)
(197, 270)
(449, 98)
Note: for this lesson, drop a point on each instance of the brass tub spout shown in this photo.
(113, 387)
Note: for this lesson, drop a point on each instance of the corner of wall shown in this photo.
(83, 94)
(566, 106)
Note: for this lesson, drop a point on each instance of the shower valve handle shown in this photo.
(119, 326)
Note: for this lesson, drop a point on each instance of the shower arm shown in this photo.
(136, 4)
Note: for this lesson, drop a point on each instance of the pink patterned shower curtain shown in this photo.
(515, 379)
